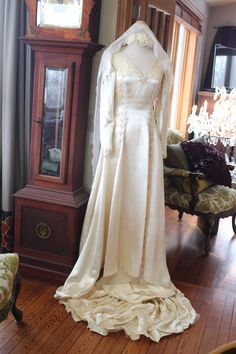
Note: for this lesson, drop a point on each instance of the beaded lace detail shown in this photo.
(125, 66)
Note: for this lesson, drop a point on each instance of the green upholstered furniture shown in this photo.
(227, 348)
(192, 193)
(9, 286)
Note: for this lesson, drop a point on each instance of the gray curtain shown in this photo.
(15, 98)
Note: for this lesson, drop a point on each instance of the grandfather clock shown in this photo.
(49, 211)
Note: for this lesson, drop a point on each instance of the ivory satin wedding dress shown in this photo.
(121, 280)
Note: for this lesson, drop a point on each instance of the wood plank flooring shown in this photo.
(208, 281)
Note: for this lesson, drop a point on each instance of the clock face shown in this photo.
(59, 13)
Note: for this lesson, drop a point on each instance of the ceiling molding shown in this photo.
(220, 2)
(195, 7)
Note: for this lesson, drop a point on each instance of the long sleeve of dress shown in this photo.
(107, 112)
(162, 113)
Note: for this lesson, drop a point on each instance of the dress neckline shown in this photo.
(130, 61)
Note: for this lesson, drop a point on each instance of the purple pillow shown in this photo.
(208, 160)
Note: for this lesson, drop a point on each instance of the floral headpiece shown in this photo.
(139, 38)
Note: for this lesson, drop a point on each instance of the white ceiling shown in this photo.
(220, 2)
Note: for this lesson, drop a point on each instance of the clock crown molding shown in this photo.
(88, 30)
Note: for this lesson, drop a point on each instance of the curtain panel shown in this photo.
(15, 93)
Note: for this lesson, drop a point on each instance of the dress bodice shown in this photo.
(136, 91)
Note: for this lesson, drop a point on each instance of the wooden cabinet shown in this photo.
(49, 211)
(47, 237)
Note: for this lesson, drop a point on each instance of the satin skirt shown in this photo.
(121, 280)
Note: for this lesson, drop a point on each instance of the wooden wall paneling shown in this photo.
(168, 33)
(158, 14)
(152, 18)
(166, 16)
(136, 11)
(143, 10)
(149, 15)
(161, 29)
(124, 16)
(165, 6)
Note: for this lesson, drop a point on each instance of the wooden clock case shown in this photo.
(49, 211)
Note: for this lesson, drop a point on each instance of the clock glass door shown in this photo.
(53, 120)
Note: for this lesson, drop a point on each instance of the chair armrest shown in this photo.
(178, 172)
(192, 176)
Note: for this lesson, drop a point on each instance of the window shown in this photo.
(183, 54)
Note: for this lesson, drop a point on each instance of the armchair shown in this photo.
(192, 193)
(9, 286)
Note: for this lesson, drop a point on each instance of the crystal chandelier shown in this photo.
(218, 125)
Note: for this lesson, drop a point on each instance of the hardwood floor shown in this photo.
(208, 281)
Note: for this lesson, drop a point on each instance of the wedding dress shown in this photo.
(121, 280)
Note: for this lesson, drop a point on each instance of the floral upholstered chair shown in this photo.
(9, 286)
(193, 193)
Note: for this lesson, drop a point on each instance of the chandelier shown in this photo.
(218, 125)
